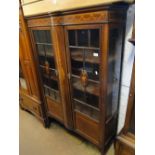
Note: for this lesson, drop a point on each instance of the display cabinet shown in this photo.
(29, 93)
(78, 56)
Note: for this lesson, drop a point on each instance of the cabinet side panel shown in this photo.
(114, 68)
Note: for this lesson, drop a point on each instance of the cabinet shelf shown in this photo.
(51, 88)
(76, 76)
(86, 104)
(84, 47)
(49, 55)
(44, 43)
(42, 66)
(51, 77)
(91, 88)
(77, 55)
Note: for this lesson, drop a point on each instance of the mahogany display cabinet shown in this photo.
(78, 56)
(29, 94)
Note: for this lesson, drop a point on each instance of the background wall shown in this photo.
(32, 7)
(127, 67)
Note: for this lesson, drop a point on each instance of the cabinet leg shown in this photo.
(46, 123)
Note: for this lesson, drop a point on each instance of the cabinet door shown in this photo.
(84, 54)
(84, 70)
(48, 69)
(47, 64)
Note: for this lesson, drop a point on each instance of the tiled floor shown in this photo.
(37, 140)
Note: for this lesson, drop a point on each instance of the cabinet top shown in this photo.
(34, 7)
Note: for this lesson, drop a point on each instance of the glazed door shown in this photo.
(48, 70)
(84, 72)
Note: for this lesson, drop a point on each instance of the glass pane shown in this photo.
(52, 93)
(53, 84)
(94, 38)
(88, 94)
(41, 60)
(91, 56)
(48, 50)
(77, 54)
(82, 37)
(36, 36)
(114, 65)
(47, 63)
(72, 37)
(42, 37)
(45, 80)
(92, 71)
(41, 50)
(51, 62)
(85, 60)
(76, 67)
(48, 36)
(85, 71)
(86, 110)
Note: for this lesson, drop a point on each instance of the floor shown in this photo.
(37, 140)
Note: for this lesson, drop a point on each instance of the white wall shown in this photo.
(127, 67)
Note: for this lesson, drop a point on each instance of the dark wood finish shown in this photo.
(30, 98)
(89, 70)
(87, 127)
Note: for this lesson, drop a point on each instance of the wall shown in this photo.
(32, 7)
(127, 67)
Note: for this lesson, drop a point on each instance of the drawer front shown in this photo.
(30, 105)
(55, 109)
(87, 127)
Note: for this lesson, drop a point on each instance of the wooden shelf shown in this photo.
(90, 80)
(51, 55)
(51, 77)
(86, 104)
(49, 44)
(85, 47)
(51, 88)
(78, 56)
(91, 88)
